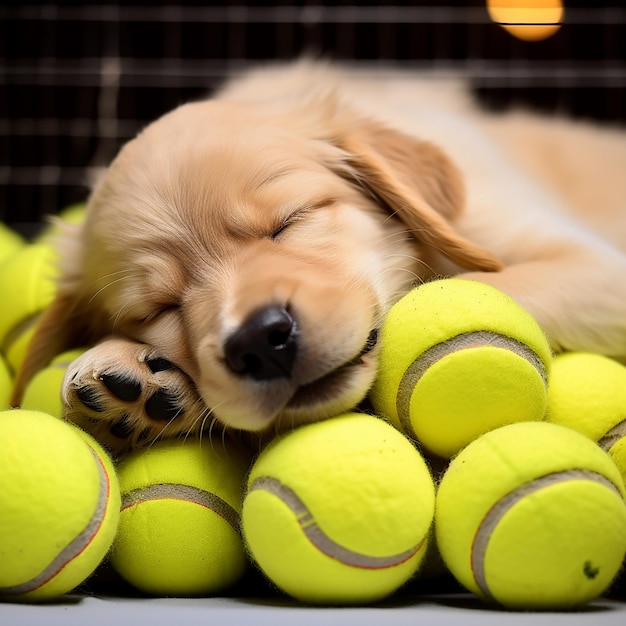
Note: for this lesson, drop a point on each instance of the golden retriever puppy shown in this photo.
(239, 255)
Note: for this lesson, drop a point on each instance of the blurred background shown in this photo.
(79, 79)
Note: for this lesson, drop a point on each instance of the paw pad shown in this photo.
(122, 429)
(121, 387)
(90, 398)
(126, 397)
(163, 406)
(159, 364)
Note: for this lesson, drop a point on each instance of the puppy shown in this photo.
(239, 255)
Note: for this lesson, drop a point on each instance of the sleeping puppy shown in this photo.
(239, 255)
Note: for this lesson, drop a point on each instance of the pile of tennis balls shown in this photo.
(27, 287)
(528, 512)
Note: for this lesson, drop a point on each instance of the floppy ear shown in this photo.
(417, 182)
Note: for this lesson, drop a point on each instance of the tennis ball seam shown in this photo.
(504, 504)
(612, 436)
(18, 329)
(77, 546)
(319, 539)
(186, 493)
(473, 339)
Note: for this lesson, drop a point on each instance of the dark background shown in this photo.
(79, 79)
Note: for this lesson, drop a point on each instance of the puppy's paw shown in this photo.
(127, 396)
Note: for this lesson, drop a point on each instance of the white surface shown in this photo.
(445, 610)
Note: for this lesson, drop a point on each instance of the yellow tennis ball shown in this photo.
(6, 385)
(59, 506)
(179, 525)
(339, 512)
(73, 214)
(27, 287)
(587, 392)
(459, 358)
(532, 516)
(17, 343)
(43, 392)
(10, 242)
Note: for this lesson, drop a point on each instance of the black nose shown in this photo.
(264, 346)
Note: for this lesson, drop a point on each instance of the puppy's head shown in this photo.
(259, 250)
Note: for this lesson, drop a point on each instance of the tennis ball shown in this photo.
(59, 506)
(27, 287)
(10, 242)
(43, 392)
(459, 358)
(179, 525)
(339, 511)
(587, 392)
(73, 214)
(6, 384)
(532, 516)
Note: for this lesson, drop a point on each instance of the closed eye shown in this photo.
(158, 312)
(276, 233)
(296, 216)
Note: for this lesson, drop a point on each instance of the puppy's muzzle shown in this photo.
(264, 346)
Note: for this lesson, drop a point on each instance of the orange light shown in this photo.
(530, 20)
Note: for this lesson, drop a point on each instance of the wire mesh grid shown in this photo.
(78, 80)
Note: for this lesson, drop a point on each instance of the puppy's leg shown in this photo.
(578, 297)
(565, 274)
(126, 396)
